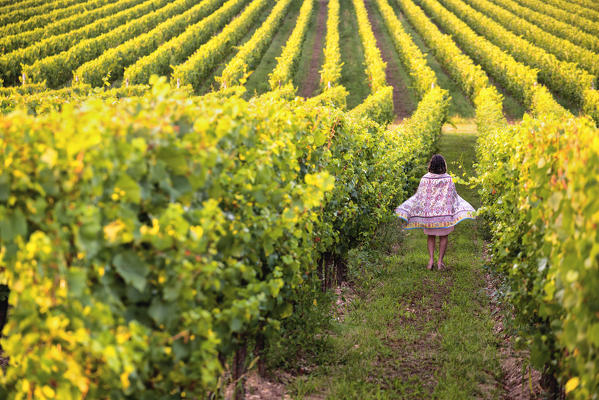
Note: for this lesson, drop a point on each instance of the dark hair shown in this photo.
(437, 164)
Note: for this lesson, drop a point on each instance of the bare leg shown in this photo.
(443, 240)
(431, 251)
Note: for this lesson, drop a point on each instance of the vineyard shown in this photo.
(196, 198)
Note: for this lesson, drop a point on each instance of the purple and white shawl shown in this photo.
(436, 204)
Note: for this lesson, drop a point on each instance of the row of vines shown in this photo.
(161, 255)
(538, 187)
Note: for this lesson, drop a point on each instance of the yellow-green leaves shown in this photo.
(572, 384)
(331, 67)
(539, 184)
(375, 66)
(142, 237)
(195, 69)
(179, 48)
(251, 52)
(287, 61)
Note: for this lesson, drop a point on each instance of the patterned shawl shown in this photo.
(436, 204)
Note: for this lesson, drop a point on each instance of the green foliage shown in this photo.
(251, 52)
(375, 66)
(27, 32)
(470, 76)
(330, 74)
(563, 77)
(287, 61)
(31, 88)
(518, 78)
(591, 104)
(301, 336)
(11, 63)
(515, 77)
(334, 96)
(137, 256)
(198, 66)
(114, 60)
(573, 14)
(537, 182)
(566, 30)
(57, 70)
(20, 14)
(411, 56)
(7, 6)
(178, 49)
(36, 99)
(377, 107)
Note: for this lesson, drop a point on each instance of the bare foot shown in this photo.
(441, 267)
(430, 265)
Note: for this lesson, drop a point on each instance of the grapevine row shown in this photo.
(563, 77)
(517, 78)
(7, 6)
(19, 36)
(378, 106)
(57, 70)
(10, 64)
(375, 66)
(471, 78)
(178, 49)
(114, 61)
(251, 52)
(330, 74)
(462, 69)
(37, 100)
(562, 49)
(575, 15)
(51, 17)
(22, 90)
(197, 68)
(287, 61)
(210, 226)
(551, 24)
(538, 186)
(68, 7)
(586, 4)
(412, 58)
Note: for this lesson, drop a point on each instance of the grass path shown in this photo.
(409, 332)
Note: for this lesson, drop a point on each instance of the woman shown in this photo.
(436, 207)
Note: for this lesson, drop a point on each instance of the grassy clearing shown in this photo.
(410, 332)
(353, 75)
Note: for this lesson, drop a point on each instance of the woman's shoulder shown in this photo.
(430, 175)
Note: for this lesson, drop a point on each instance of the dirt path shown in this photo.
(310, 83)
(401, 103)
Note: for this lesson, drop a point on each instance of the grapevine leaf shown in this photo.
(132, 269)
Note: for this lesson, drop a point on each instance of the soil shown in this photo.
(401, 103)
(258, 388)
(310, 83)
